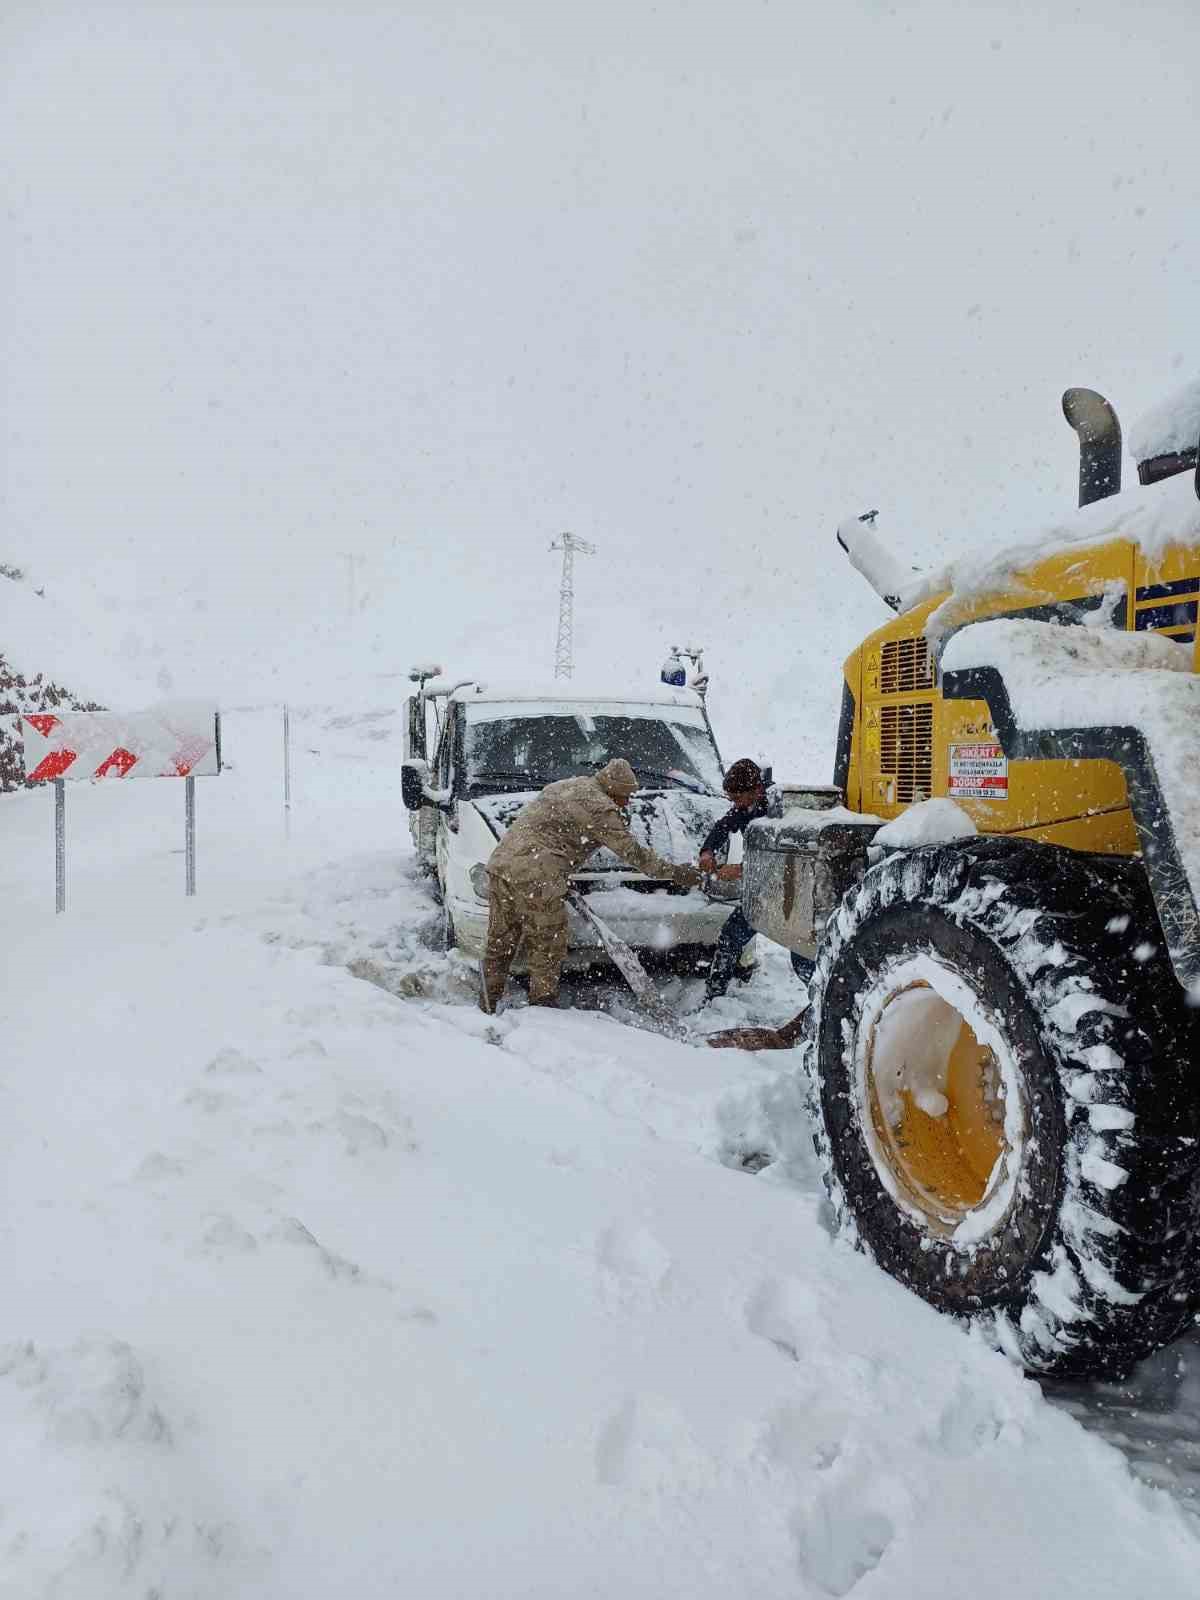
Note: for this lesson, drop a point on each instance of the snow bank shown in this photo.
(322, 1286)
(1171, 427)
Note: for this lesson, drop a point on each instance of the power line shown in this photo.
(565, 644)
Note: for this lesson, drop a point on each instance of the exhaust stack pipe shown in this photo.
(869, 555)
(1095, 422)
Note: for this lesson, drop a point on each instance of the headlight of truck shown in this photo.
(479, 880)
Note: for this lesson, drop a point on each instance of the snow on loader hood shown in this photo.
(672, 822)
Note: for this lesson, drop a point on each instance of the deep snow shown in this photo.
(323, 322)
(323, 1283)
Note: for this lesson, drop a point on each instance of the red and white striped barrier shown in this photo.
(180, 740)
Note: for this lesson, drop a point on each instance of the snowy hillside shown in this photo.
(325, 1284)
(324, 322)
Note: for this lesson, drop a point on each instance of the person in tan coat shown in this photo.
(530, 868)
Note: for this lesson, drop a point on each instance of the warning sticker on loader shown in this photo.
(978, 772)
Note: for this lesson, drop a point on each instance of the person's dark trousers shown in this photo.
(735, 936)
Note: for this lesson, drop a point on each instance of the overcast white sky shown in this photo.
(429, 284)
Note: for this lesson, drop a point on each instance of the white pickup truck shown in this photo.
(476, 755)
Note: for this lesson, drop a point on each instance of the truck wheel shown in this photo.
(1002, 1075)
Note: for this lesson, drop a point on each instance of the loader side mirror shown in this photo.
(414, 775)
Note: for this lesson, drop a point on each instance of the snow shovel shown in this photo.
(628, 965)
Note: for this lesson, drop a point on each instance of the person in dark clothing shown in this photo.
(746, 786)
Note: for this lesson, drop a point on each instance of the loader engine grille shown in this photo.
(906, 749)
(905, 665)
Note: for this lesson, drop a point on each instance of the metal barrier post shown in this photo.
(189, 832)
(287, 774)
(60, 845)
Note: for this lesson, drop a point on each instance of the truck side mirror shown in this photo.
(414, 775)
(416, 741)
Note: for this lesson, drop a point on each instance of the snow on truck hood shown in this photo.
(555, 698)
(672, 823)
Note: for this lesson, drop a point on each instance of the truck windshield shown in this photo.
(527, 752)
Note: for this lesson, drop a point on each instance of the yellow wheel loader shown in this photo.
(1002, 1047)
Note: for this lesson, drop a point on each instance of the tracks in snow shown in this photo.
(375, 918)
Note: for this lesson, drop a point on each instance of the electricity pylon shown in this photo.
(565, 644)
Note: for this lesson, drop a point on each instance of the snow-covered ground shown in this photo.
(321, 1283)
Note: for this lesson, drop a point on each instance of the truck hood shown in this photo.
(673, 823)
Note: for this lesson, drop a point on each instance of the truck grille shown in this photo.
(614, 880)
(905, 665)
(906, 749)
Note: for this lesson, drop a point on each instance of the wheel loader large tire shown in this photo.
(1005, 1090)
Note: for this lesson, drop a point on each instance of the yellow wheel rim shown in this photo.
(937, 1106)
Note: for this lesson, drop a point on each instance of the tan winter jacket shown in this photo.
(555, 834)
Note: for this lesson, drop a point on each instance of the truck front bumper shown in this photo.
(652, 923)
